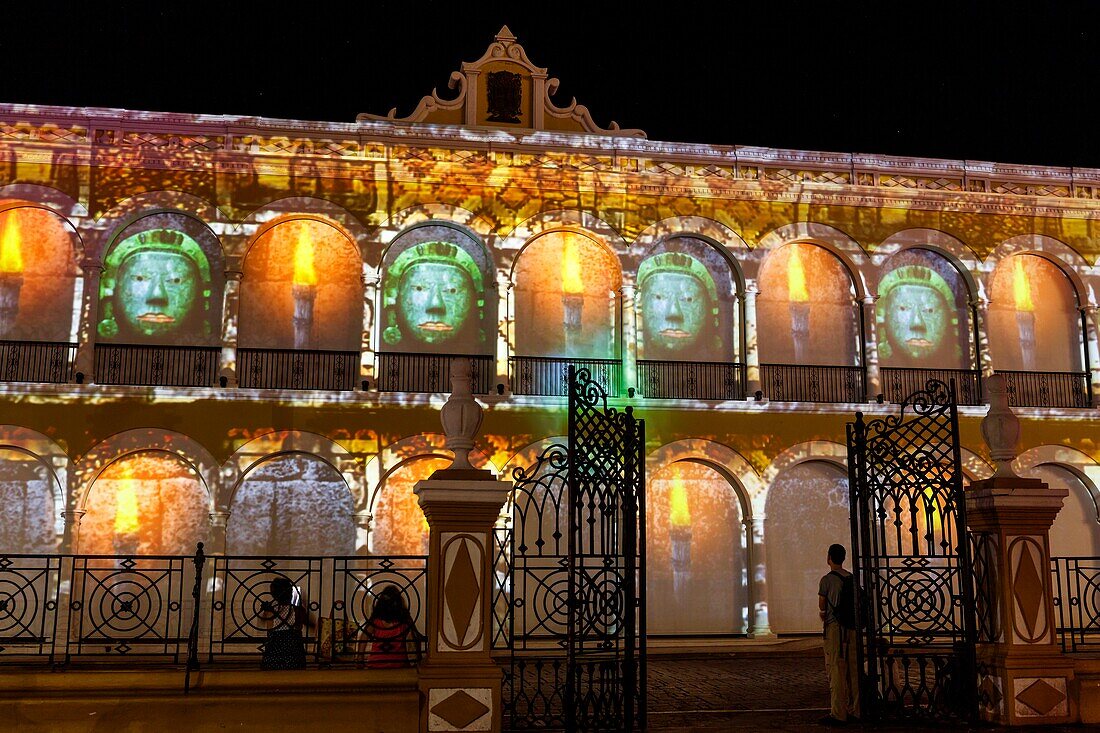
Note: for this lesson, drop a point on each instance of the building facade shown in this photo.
(239, 330)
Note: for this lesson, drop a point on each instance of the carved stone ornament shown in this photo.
(461, 415)
(1000, 427)
(502, 89)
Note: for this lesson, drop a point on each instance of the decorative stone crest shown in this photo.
(1000, 427)
(461, 416)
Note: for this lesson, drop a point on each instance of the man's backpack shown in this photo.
(845, 610)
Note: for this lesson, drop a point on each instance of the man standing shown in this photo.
(836, 597)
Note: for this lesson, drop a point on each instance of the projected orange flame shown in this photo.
(304, 274)
(1020, 287)
(11, 245)
(796, 278)
(126, 504)
(571, 282)
(679, 512)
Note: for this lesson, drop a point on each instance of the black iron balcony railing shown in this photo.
(897, 384)
(297, 369)
(429, 372)
(692, 380)
(1076, 582)
(156, 366)
(36, 361)
(792, 383)
(549, 375)
(1048, 389)
(177, 609)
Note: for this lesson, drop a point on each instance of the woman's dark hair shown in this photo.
(390, 606)
(282, 591)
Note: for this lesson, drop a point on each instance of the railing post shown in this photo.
(1024, 679)
(193, 634)
(459, 682)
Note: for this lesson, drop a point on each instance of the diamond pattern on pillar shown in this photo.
(460, 709)
(462, 591)
(1027, 587)
(1041, 697)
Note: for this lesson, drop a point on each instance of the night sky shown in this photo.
(957, 80)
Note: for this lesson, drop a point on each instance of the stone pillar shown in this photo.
(363, 522)
(219, 520)
(1088, 321)
(752, 354)
(372, 311)
(980, 308)
(1024, 679)
(630, 337)
(89, 320)
(71, 541)
(870, 348)
(758, 577)
(231, 308)
(459, 681)
(506, 327)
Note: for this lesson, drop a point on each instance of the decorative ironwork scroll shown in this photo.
(912, 556)
(570, 605)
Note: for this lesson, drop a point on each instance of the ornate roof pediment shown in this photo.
(502, 89)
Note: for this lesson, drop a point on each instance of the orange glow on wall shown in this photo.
(796, 278)
(126, 505)
(571, 281)
(304, 273)
(1020, 287)
(11, 245)
(679, 514)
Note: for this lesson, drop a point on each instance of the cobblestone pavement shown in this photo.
(749, 693)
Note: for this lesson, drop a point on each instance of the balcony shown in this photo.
(897, 384)
(691, 380)
(1048, 389)
(793, 383)
(36, 361)
(430, 372)
(156, 366)
(297, 369)
(549, 375)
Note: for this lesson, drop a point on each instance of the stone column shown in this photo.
(89, 320)
(363, 522)
(71, 541)
(870, 348)
(980, 309)
(231, 308)
(219, 520)
(459, 681)
(1088, 320)
(372, 311)
(1024, 679)
(506, 336)
(758, 577)
(630, 337)
(752, 354)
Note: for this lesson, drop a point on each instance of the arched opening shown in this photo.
(148, 502)
(291, 504)
(27, 497)
(806, 511)
(398, 525)
(1076, 529)
(696, 570)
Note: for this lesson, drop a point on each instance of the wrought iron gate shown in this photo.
(570, 604)
(912, 558)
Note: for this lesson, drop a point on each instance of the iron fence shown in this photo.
(36, 361)
(156, 366)
(297, 369)
(1076, 582)
(693, 380)
(797, 383)
(170, 609)
(897, 384)
(1048, 389)
(549, 375)
(430, 372)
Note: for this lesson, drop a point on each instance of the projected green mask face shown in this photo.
(156, 291)
(917, 318)
(674, 310)
(434, 301)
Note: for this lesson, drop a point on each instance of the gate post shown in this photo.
(459, 682)
(1024, 679)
